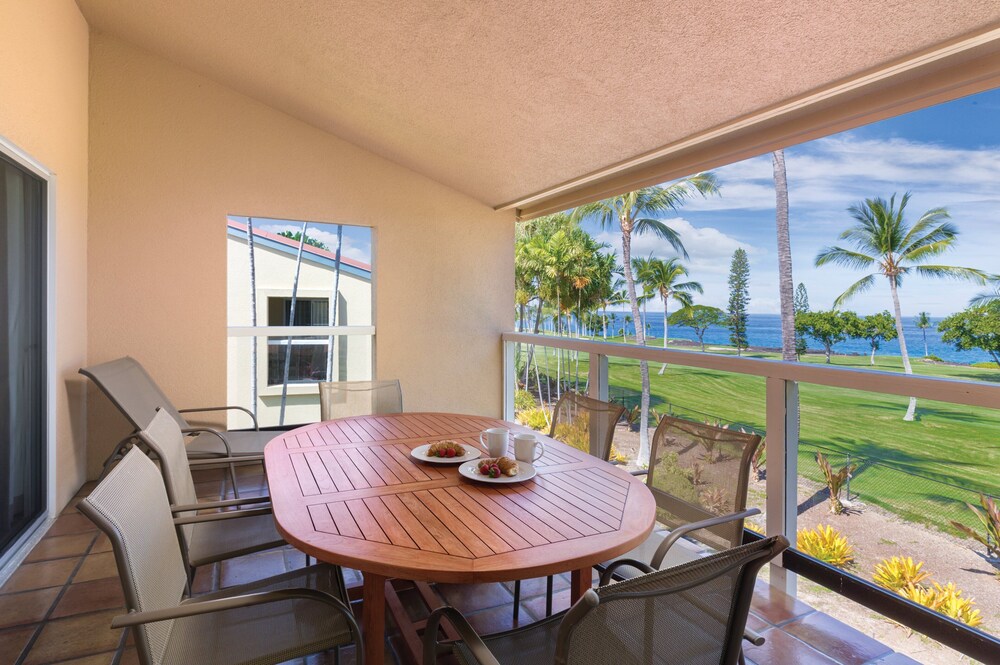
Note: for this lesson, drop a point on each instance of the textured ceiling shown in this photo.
(501, 99)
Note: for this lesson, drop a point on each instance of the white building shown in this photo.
(274, 268)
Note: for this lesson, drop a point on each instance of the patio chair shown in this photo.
(268, 621)
(699, 475)
(585, 423)
(694, 613)
(130, 388)
(206, 538)
(343, 399)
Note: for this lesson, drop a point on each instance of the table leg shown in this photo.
(373, 618)
(579, 583)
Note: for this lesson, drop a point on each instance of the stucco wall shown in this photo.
(172, 153)
(43, 110)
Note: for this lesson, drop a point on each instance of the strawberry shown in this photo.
(450, 452)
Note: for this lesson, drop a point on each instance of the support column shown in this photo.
(782, 471)
(509, 379)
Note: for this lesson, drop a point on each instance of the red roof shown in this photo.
(307, 248)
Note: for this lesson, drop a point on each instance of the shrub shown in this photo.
(578, 436)
(990, 519)
(826, 544)
(759, 460)
(834, 481)
(985, 365)
(944, 599)
(523, 401)
(931, 358)
(899, 572)
(536, 418)
(714, 500)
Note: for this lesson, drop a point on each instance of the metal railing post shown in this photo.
(509, 378)
(782, 471)
(597, 380)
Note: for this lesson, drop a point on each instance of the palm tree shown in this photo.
(634, 213)
(661, 277)
(987, 296)
(335, 300)
(785, 284)
(291, 322)
(885, 243)
(924, 322)
(253, 317)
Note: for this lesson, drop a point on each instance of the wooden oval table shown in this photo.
(347, 492)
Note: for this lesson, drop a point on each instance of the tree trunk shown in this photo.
(253, 318)
(911, 410)
(558, 351)
(786, 287)
(334, 301)
(829, 350)
(640, 338)
(924, 331)
(666, 330)
(872, 361)
(701, 340)
(291, 321)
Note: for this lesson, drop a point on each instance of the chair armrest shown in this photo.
(640, 472)
(753, 637)
(215, 517)
(214, 432)
(183, 508)
(197, 607)
(216, 461)
(620, 563)
(224, 408)
(680, 531)
(479, 650)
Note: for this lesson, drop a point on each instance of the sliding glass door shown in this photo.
(22, 351)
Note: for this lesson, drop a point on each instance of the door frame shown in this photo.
(20, 548)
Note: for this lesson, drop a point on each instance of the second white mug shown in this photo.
(527, 448)
(495, 441)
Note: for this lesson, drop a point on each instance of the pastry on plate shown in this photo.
(446, 449)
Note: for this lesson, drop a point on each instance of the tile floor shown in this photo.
(57, 607)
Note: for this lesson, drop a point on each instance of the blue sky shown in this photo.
(357, 240)
(947, 155)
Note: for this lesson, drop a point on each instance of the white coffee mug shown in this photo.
(527, 448)
(495, 441)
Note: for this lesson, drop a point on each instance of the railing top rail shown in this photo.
(923, 387)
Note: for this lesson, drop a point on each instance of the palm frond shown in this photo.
(689, 287)
(954, 272)
(860, 286)
(658, 228)
(927, 220)
(844, 257)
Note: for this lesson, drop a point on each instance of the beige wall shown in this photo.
(43, 110)
(173, 153)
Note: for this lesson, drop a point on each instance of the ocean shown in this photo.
(764, 330)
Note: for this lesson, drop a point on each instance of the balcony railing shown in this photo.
(781, 415)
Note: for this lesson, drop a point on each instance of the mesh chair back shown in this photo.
(699, 471)
(166, 441)
(586, 423)
(130, 506)
(693, 614)
(132, 390)
(342, 399)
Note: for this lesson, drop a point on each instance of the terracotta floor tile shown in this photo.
(12, 643)
(18, 609)
(536, 606)
(129, 657)
(40, 575)
(103, 594)
(72, 523)
(775, 606)
(493, 620)
(97, 566)
(474, 597)
(250, 568)
(102, 544)
(536, 586)
(74, 637)
(783, 649)
(835, 639)
(59, 547)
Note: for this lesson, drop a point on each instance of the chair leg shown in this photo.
(232, 475)
(517, 599)
(548, 596)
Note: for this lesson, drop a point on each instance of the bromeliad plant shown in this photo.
(945, 599)
(826, 544)
(537, 418)
(834, 481)
(899, 572)
(990, 519)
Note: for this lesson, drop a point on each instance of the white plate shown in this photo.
(525, 471)
(420, 453)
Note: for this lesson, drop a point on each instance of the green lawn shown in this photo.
(954, 444)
